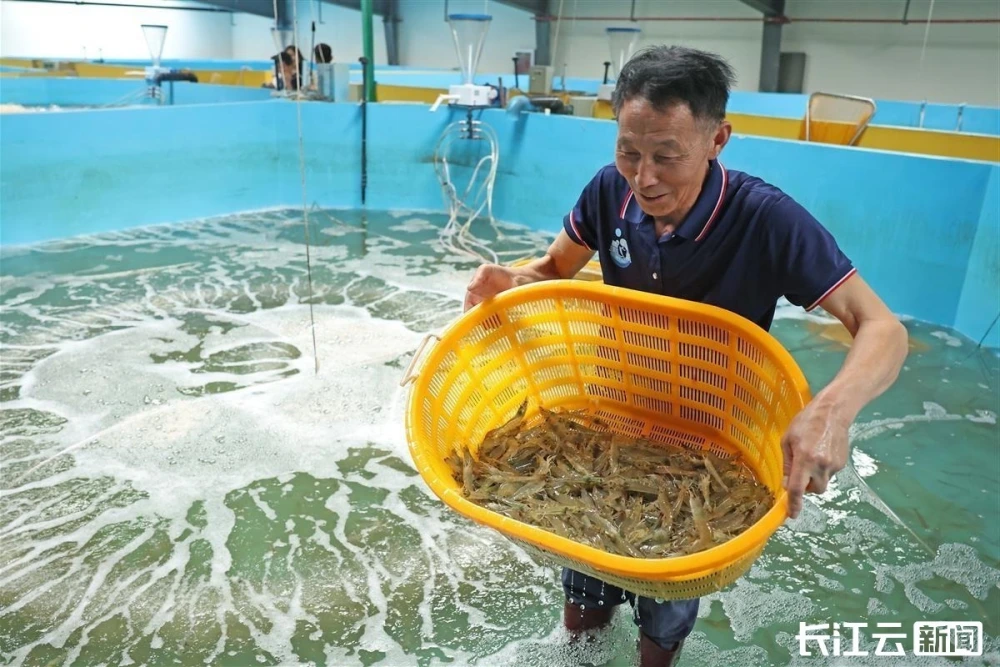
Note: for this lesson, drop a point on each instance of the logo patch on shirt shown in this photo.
(619, 251)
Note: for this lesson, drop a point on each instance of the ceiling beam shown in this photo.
(767, 7)
(537, 7)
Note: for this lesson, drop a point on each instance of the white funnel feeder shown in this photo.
(469, 33)
(622, 42)
(155, 36)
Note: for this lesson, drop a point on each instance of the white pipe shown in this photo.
(442, 98)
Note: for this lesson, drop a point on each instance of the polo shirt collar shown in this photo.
(706, 210)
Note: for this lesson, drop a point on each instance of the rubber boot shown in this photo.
(581, 620)
(652, 654)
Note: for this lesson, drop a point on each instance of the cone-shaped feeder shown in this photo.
(155, 35)
(622, 42)
(469, 32)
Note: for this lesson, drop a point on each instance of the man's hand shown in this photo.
(488, 281)
(564, 259)
(816, 447)
(816, 444)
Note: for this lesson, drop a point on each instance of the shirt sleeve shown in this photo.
(581, 221)
(808, 262)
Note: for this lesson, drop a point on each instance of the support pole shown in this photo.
(770, 46)
(369, 49)
(543, 36)
(390, 21)
(770, 57)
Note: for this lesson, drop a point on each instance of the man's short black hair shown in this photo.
(667, 75)
(323, 53)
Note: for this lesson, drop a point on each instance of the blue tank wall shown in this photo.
(922, 230)
(45, 91)
(948, 117)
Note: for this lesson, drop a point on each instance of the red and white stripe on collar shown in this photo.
(715, 212)
(628, 198)
(718, 204)
(576, 230)
(832, 288)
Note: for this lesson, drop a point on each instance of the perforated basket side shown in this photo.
(672, 371)
(681, 589)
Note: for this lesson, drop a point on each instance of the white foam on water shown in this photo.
(877, 608)
(958, 563)
(933, 412)
(751, 606)
(556, 648)
(864, 464)
(949, 340)
(128, 420)
(414, 225)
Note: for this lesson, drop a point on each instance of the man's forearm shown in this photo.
(543, 268)
(872, 365)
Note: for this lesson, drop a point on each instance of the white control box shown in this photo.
(540, 79)
(604, 91)
(471, 95)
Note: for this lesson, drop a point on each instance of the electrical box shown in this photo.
(540, 79)
(333, 81)
(469, 95)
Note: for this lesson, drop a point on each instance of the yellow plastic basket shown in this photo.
(673, 371)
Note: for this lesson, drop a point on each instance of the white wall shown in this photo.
(583, 44)
(961, 63)
(57, 30)
(340, 28)
(425, 39)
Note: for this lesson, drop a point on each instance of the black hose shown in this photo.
(312, 55)
(516, 82)
(364, 130)
(607, 64)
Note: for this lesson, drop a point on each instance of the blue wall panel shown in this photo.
(922, 230)
(882, 208)
(980, 302)
(980, 120)
(68, 92)
(111, 169)
(73, 92)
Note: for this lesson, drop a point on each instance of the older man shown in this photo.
(667, 217)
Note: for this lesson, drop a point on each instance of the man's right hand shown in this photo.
(488, 281)
(564, 259)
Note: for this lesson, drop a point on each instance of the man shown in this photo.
(293, 67)
(668, 217)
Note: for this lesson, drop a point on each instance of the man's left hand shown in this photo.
(816, 446)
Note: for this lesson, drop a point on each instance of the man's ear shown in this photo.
(720, 139)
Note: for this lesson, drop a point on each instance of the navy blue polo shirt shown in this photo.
(744, 245)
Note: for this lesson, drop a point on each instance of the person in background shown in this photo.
(283, 72)
(322, 54)
(293, 67)
(668, 218)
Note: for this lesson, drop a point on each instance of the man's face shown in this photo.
(663, 154)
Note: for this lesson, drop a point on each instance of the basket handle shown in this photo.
(409, 376)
